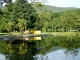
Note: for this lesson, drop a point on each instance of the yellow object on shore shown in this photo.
(37, 32)
(32, 32)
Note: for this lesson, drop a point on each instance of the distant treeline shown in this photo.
(21, 15)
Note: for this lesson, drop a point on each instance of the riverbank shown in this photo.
(64, 33)
(52, 33)
(10, 36)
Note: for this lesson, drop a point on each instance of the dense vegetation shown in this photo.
(21, 15)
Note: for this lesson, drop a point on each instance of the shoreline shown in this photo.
(52, 33)
(9, 36)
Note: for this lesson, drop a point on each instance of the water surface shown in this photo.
(48, 48)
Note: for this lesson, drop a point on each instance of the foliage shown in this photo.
(21, 15)
(18, 16)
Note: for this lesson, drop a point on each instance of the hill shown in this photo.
(51, 8)
(54, 8)
(58, 9)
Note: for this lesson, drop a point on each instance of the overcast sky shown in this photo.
(64, 3)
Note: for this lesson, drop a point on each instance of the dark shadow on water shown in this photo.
(10, 37)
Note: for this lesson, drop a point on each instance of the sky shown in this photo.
(64, 3)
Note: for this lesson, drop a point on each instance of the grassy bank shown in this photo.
(4, 33)
(64, 33)
(53, 33)
(10, 33)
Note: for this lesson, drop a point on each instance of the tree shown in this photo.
(4, 19)
(1, 13)
(22, 24)
(9, 26)
(23, 10)
(69, 20)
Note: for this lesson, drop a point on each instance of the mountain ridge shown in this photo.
(58, 9)
(53, 8)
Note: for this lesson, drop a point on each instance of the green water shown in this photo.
(48, 48)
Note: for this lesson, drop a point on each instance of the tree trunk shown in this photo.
(55, 29)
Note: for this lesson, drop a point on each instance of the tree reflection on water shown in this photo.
(21, 50)
(36, 50)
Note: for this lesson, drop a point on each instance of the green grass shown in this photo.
(64, 33)
(53, 33)
(17, 33)
(4, 34)
(1, 34)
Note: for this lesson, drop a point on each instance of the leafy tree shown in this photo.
(9, 26)
(23, 10)
(5, 18)
(1, 13)
(22, 24)
(69, 20)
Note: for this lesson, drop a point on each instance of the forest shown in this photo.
(21, 15)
